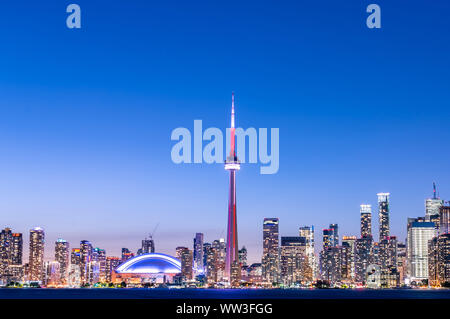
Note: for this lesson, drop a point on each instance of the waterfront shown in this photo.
(143, 293)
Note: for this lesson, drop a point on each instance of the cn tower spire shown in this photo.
(232, 129)
(232, 110)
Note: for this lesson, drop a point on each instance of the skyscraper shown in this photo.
(308, 233)
(366, 220)
(439, 260)
(100, 258)
(198, 253)
(388, 253)
(111, 264)
(187, 261)
(432, 205)
(402, 261)
(75, 257)
(270, 259)
(383, 214)
(348, 257)
(62, 257)
(363, 257)
(294, 267)
(148, 245)
(328, 238)
(419, 234)
(444, 220)
(5, 250)
(36, 257)
(335, 235)
(232, 164)
(330, 264)
(219, 247)
(52, 274)
(16, 249)
(85, 259)
(243, 256)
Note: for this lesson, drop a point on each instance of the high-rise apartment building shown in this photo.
(383, 214)
(36, 256)
(294, 267)
(439, 261)
(366, 220)
(219, 248)
(243, 256)
(198, 253)
(335, 235)
(363, 257)
(187, 262)
(86, 254)
(330, 264)
(328, 238)
(16, 249)
(100, 258)
(308, 233)
(111, 264)
(270, 259)
(388, 252)
(444, 220)
(62, 257)
(348, 258)
(419, 234)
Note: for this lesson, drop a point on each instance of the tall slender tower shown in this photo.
(366, 220)
(383, 214)
(232, 164)
(36, 256)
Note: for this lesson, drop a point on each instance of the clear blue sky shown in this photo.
(86, 115)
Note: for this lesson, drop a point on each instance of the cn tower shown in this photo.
(232, 164)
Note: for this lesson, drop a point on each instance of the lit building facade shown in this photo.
(348, 250)
(308, 233)
(419, 234)
(383, 214)
(52, 274)
(433, 205)
(294, 266)
(36, 256)
(186, 257)
(330, 265)
(86, 254)
(111, 264)
(62, 257)
(363, 258)
(439, 261)
(271, 258)
(444, 220)
(366, 220)
(198, 253)
(334, 235)
(5, 250)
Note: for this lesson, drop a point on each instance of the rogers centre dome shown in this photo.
(147, 268)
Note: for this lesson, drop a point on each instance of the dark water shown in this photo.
(142, 293)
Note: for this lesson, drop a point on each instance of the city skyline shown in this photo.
(85, 129)
(317, 237)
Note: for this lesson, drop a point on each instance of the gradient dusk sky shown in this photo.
(86, 116)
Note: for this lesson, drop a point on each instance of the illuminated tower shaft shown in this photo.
(232, 267)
